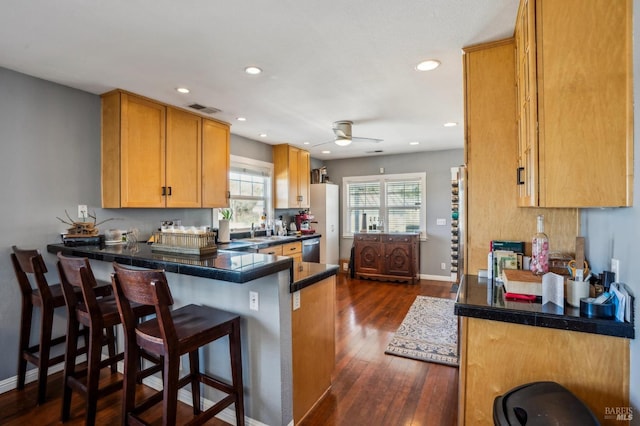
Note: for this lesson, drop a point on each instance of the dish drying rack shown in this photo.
(185, 243)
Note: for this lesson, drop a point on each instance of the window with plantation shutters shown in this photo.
(389, 203)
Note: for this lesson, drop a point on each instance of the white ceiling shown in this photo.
(323, 61)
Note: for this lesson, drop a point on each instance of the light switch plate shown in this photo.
(441, 221)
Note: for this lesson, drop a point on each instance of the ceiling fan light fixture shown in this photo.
(428, 65)
(342, 141)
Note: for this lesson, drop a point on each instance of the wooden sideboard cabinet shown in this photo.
(390, 257)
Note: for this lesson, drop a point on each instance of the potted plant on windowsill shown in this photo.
(224, 235)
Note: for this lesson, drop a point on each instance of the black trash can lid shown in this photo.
(541, 403)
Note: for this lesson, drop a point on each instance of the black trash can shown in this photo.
(541, 403)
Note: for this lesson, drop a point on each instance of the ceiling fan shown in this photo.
(343, 136)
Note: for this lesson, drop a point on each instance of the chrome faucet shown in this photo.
(253, 231)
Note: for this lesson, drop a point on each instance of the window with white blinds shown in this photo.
(250, 191)
(389, 203)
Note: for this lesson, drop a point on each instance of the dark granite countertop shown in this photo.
(308, 273)
(225, 265)
(479, 298)
(247, 244)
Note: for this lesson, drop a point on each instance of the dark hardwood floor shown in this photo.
(372, 388)
(369, 387)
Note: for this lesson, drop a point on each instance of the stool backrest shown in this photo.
(76, 272)
(145, 287)
(30, 262)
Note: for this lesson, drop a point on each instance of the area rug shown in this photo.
(429, 332)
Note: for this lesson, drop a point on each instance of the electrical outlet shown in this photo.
(345, 266)
(254, 302)
(443, 266)
(615, 268)
(296, 300)
(83, 212)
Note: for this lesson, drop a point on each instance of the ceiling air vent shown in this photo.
(205, 109)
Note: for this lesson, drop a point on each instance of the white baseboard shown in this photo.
(437, 277)
(11, 383)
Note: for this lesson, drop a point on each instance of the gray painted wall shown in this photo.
(437, 165)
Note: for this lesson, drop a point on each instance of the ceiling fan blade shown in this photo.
(360, 139)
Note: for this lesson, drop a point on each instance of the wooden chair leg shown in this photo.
(111, 346)
(93, 374)
(71, 351)
(170, 396)
(46, 324)
(194, 365)
(129, 381)
(235, 353)
(23, 345)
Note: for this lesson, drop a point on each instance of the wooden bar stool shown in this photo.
(29, 263)
(172, 334)
(97, 311)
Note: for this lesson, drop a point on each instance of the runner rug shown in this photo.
(429, 332)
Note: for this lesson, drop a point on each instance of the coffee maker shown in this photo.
(303, 222)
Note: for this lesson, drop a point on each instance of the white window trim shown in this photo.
(422, 176)
(250, 163)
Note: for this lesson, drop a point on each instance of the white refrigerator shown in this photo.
(324, 206)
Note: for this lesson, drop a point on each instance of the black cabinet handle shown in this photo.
(519, 177)
(164, 191)
(169, 191)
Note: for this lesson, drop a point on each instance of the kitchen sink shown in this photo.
(266, 239)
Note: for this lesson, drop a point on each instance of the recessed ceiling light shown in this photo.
(428, 65)
(450, 124)
(263, 135)
(305, 143)
(252, 70)
(414, 143)
(241, 119)
(326, 152)
(183, 90)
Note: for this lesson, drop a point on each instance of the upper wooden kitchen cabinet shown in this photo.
(154, 155)
(575, 111)
(491, 157)
(292, 170)
(215, 164)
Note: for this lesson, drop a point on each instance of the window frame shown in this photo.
(256, 166)
(382, 180)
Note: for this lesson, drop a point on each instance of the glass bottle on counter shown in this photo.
(540, 250)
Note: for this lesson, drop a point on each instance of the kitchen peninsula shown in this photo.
(504, 344)
(275, 338)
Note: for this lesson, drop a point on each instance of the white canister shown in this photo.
(224, 235)
(576, 290)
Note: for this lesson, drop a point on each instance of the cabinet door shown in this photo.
(527, 172)
(398, 259)
(304, 178)
(215, 164)
(184, 164)
(585, 111)
(368, 257)
(294, 173)
(142, 156)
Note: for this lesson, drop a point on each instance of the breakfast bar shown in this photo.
(504, 344)
(274, 355)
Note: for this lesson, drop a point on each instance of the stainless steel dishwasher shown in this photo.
(311, 250)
